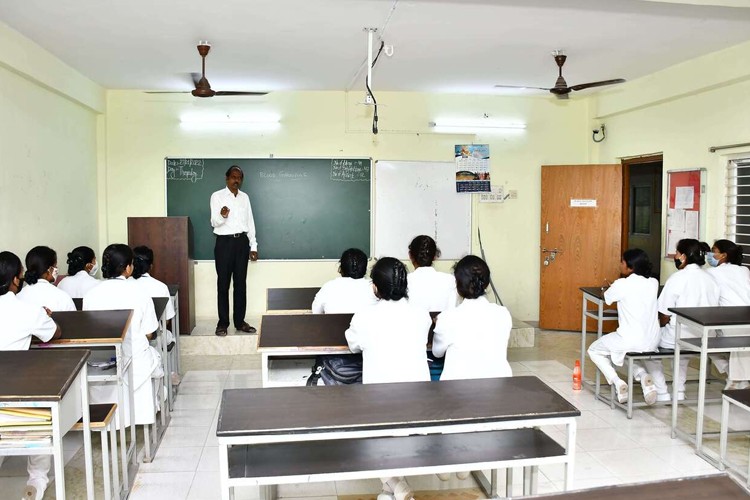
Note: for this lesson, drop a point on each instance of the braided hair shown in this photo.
(78, 258)
(116, 258)
(10, 267)
(143, 259)
(389, 277)
(423, 250)
(353, 263)
(472, 277)
(38, 260)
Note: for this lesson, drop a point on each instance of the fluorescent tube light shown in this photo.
(458, 126)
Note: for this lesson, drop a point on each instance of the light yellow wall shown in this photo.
(142, 129)
(682, 111)
(48, 153)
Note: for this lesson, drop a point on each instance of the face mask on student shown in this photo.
(712, 261)
(677, 262)
(94, 270)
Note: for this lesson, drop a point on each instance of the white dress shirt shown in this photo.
(734, 290)
(392, 336)
(155, 288)
(240, 218)
(638, 321)
(77, 285)
(473, 337)
(344, 295)
(691, 286)
(45, 294)
(19, 321)
(432, 290)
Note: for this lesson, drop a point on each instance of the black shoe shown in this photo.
(221, 331)
(244, 327)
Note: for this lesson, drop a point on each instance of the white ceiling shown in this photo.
(439, 45)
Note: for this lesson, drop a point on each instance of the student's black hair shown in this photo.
(38, 260)
(732, 249)
(423, 250)
(143, 258)
(234, 167)
(78, 258)
(472, 277)
(353, 263)
(389, 276)
(637, 260)
(694, 250)
(10, 267)
(115, 259)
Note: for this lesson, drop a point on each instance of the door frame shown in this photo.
(627, 163)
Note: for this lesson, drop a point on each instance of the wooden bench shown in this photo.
(741, 399)
(300, 434)
(290, 299)
(348, 459)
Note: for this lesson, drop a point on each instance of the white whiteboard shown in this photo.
(417, 197)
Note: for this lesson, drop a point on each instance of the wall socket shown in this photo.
(512, 194)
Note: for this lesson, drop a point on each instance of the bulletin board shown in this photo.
(686, 201)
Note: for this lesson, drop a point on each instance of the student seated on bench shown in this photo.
(118, 292)
(82, 269)
(638, 330)
(40, 276)
(392, 336)
(473, 337)
(349, 293)
(18, 322)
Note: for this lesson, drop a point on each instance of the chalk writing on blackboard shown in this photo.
(184, 169)
(350, 170)
(283, 174)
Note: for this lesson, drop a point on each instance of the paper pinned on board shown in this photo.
(684, 196)
(676, 220)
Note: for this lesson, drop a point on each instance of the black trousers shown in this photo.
(231, 256)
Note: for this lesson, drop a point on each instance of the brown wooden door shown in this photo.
(586, 239)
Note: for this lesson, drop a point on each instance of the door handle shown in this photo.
(548, 259)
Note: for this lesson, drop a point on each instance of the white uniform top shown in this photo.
(734, 284)
(473, 337)
(45, 294)
(155, 288)
(392, 336)
(691, 286)
(344, 295)
(240, 218)
(638, 329)
(432, 290)
(77, 285)
(19, 321)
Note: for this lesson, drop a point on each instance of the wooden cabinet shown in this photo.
(171, 239)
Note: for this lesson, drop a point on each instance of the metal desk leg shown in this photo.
(675, 378)
(509, 482)
(264, 369)
(166, 365)
(88, 457)
(122, 414)
(599, 328)
(226, 490)
(570, 450)
(724, 432)
(57, 453)
(583, 337)
(131, 395)
(701, 391)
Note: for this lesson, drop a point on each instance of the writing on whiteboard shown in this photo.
(184, 169)
(350, 170)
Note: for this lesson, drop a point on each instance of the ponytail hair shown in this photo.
(732, 249)
(38, 261)
(472, 277)
(694, 250)
(389, 277)
(353, 263)
(116, 258)
(78, 258)
(637, 260)
(423, 250)
(143, 259)
(10, 267)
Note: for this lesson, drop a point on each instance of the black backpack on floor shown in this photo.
(337, 370)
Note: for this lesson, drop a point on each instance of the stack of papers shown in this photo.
(25, 427)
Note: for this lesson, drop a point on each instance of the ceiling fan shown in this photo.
(202, 87)
(561, 88)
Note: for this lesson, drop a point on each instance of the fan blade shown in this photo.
(234, 92)
(166, 91)
(596, 84)
(521, 87)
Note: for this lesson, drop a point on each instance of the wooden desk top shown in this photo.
(290, 299)
(39, 375)
(595, 291)
(718, 487)
(715, 316)
(308, 331)
(303, 410)
(160, 304)
(88, 327)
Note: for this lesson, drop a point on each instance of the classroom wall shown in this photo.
(681, 112)
(48, 151)
(142, 129)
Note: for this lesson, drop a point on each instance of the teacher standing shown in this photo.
(234, 227)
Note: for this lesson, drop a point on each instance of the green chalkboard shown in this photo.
(304, 208)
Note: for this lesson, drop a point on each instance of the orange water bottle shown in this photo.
(577, 376)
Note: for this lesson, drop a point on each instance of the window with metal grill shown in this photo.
(738, 205)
